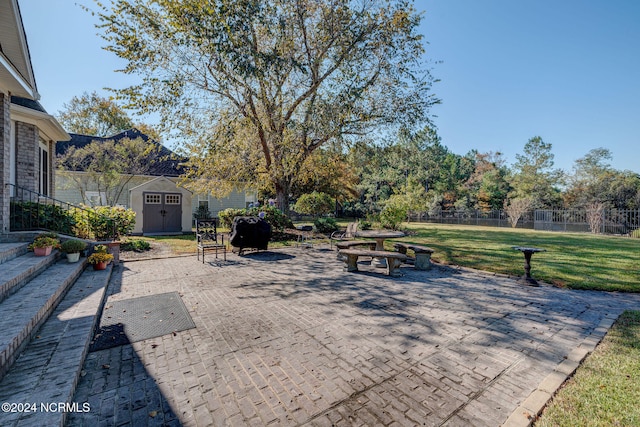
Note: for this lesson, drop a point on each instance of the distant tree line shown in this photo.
(418, 168)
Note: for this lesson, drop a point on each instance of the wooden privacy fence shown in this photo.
(606, 221)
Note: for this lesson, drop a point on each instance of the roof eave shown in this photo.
(14, 82)
(46, 123)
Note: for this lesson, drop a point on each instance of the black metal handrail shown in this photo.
(30, 210)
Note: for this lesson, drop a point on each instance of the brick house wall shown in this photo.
(5, 141)
(26, 156)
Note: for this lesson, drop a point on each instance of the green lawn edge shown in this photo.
(605, 390)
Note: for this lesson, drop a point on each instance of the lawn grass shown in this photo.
(179, 244)
(605, 390)
(571, 260)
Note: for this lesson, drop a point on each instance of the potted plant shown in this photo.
(100, 258)
(44, 244)
(72, 248)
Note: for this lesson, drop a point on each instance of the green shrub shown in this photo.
(82, 222)
(325, 225)
(105, 222)
(272, 215)
(636, 233)
(202, 213)
(394, 212)
(31, 216)
(226, 216)
(135, 245)
(314, 204)
(364, 225)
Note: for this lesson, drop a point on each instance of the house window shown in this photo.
(172, 199)
(153, 199)
(43, 175)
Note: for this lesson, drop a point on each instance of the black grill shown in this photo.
(250, 232)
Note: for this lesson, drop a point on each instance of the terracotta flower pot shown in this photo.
(100, 266)
(42, 251)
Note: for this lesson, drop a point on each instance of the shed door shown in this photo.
(162, 212)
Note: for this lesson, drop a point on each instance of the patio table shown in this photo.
(379, 236)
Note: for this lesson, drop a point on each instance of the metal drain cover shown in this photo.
(138, 319)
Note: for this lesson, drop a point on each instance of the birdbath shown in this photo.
(528, 251)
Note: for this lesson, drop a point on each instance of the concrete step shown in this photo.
(47, 371)
(28, 307)
(9, 251)
(18, 271)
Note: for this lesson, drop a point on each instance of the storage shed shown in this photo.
(161, 207)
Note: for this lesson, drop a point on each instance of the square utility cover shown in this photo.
(138, 319)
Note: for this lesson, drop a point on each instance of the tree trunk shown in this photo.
(282, 196)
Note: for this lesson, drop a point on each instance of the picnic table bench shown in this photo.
(394, 259)
(422, 254)
(347, 244)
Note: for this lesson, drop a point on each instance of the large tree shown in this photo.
(535, 177)
(594, 181)
(487, 185)
(279, 78)
(95, 115)
(407, 164)
(590, 180)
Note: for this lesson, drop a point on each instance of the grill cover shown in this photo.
(250, 232)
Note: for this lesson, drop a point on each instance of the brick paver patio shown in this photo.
(286, 338)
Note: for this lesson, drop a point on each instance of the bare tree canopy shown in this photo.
(256, 86)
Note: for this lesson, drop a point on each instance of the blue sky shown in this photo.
(509, 70)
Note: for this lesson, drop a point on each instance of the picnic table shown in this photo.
(528, 252)
(379, 236)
